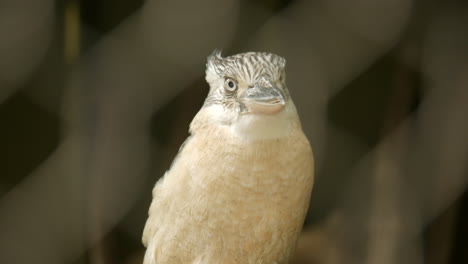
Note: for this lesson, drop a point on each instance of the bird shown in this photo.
(238, 190)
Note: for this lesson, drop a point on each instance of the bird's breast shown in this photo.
(226, 200)
(255, 194)
(252, 168)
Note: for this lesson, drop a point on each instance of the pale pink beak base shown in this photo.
(265, 109)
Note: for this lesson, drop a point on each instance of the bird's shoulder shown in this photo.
(174, 181)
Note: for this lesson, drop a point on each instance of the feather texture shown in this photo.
(230, 198)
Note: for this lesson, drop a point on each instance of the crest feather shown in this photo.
(249, 66)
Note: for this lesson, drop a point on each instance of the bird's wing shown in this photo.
(151, 223)
(163, 195)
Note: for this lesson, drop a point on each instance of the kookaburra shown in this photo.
(239, 189)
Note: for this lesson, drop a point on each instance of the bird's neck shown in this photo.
(249, 127)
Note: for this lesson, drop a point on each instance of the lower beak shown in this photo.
(262, 100)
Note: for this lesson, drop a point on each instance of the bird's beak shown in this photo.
(262, 100)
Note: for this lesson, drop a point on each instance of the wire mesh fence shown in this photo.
(96, 98)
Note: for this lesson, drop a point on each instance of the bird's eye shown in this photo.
(230, 85)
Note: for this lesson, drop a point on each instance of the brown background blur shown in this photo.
(96, 98)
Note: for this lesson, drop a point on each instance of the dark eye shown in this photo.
(230, 85)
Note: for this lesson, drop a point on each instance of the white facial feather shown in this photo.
(254, 127)
(262, 127)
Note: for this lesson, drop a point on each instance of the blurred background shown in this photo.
(96, 98)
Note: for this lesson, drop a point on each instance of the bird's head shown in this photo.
(248, 94)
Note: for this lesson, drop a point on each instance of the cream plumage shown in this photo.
(239, 189)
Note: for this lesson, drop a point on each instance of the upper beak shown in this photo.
(262, 100)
